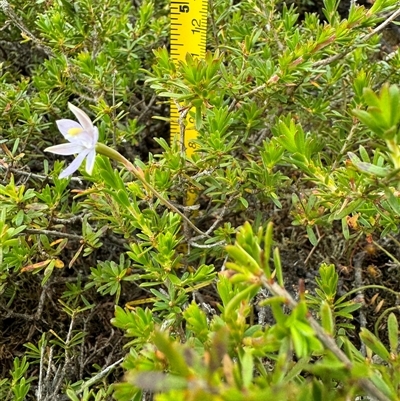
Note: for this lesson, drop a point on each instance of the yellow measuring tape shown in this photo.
(188, 35)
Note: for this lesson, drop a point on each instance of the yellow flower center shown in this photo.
(75, 131)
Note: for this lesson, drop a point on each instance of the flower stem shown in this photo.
(113, 154)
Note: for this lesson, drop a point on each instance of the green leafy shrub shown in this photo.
(298, 124)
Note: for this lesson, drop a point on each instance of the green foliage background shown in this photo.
(298, 125)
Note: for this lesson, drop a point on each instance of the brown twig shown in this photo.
(364, 38)
(52, 233)
(16, 20)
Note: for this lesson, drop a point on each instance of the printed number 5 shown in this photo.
(184, 9)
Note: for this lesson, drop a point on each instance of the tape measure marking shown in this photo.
(188, 35)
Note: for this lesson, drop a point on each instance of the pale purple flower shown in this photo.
(82, 137)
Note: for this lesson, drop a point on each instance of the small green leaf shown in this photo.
(172, 352)
(247, 367)
(393, 201)
(278, 266)
(327, 320)
(244, 202)
(244, 295)
(347, 210)
(374, 344)
(243, 259)
(268, 238)
(393, 330)
(311, 236)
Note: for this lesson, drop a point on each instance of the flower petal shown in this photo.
(74, 165)
(74, 133)
(87, 139)
(91, 157)
(66, 149)
(95, 136)
(82, 117)
(65, 126)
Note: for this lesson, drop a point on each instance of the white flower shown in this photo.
(82, 138)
